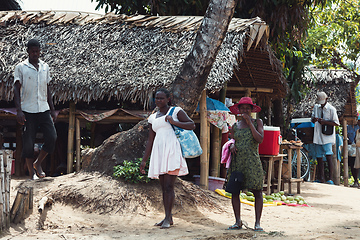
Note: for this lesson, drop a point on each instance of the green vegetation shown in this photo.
(130, 172)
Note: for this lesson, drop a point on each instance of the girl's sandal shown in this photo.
(237, 226)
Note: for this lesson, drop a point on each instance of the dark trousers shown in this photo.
(35, 121)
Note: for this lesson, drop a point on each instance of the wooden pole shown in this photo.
(269, 111)
(92, 138)
(2, 192)
(70, 149)
(204, 161)
(78, 143)
(215, 152)
(8, 161)
(19, 142)
(336, 171)
(345, 153)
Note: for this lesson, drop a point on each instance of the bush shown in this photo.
(130, 172)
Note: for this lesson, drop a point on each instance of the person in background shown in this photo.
(166, 159)
(324, 114)
(34, 106)
(248, 133)
(352, 129)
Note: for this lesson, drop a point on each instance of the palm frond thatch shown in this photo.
(96, 57)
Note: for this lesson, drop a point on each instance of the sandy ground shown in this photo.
(335, 213)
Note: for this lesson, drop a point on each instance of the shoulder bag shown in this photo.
(190, 145)
(325, 128)
(234, 185)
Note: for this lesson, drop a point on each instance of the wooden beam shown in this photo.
(204, 161)
(345, 153)
(336, 171)
(252, 89)
(70, 148)
(215, 152)
(19, 146)
(78, 143)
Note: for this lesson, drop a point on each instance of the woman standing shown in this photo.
(248, 134)
(166, 160)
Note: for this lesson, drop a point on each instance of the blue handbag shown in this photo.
(190, 145)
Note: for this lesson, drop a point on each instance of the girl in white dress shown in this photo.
(166, 160)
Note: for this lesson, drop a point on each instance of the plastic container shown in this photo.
(271, 142)
(214, 182)
(301, 123)
(304, 128)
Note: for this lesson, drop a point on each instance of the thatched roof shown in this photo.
(337, 84)
(95, 57)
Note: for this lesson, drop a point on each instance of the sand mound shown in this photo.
(93, 192)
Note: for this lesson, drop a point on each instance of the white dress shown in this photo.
(166, 151)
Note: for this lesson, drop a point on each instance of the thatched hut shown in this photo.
(340, 87)
(120, 60)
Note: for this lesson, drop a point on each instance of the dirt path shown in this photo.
(99, 214)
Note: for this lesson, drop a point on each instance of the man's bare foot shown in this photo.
(38, 171)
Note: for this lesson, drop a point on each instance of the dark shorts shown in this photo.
(35, 121)
(351, 161)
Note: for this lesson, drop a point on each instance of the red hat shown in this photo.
(244, 100)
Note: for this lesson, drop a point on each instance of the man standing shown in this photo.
(34, 106)
(325, 118)
(352, 129)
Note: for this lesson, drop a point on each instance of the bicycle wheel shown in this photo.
(305, 165)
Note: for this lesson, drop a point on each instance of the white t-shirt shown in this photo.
(33, 92)
(328, 113)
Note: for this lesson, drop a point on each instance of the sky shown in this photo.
(69, 5)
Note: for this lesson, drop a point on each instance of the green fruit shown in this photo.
(249, 194)
(293, 202)
(301, 202)
(243, 195)
(287, 201)
(290, 198)
(269, 197)
(277, 199)
(250, 198)
(283, 198)
(296, 199)
(282, 193)
(264, 200)
(300, 197)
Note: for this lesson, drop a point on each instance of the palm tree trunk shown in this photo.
(186, 90)
(7, 5)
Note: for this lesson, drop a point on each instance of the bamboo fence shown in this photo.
(5, 175)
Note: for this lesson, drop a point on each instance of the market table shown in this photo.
(298, 179)
(271, 159)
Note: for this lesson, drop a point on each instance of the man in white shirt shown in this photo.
(34, 106)
(325, 118)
